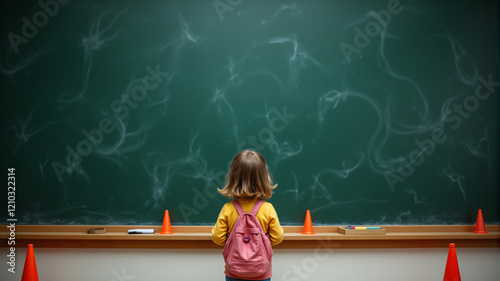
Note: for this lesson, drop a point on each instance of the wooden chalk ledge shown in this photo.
(199, 237)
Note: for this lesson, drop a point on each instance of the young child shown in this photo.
(248, 180)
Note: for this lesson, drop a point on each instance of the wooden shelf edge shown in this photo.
(286, 244)
(288, 236)
(199, 237)
(208, 228)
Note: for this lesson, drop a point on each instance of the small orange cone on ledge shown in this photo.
(308, 228)
(451, 272)
(166, 228)
(30, 273)
(480, 229)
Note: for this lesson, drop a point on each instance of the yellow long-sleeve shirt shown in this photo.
(267, 217)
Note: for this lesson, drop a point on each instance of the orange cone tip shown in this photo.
(480, 228)
(166, 228)
(308, 228)
(452, 272)
(30, 273)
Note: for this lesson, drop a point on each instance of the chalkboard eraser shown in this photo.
(141, 231)
(96, 230)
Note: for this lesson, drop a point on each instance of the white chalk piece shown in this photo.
(141, 231)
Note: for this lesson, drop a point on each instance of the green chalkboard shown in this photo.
(380, 112)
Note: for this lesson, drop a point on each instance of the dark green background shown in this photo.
(230, 78)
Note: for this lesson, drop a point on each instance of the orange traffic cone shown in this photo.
(30, 273)
(480, 223)
(308, 227)
(451, 272)
(166, 228)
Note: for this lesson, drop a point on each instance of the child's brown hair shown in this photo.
(248, 177)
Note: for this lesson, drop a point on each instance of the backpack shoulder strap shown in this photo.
(256, 207)
(238, 207)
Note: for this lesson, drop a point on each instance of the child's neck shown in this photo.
(247, 199)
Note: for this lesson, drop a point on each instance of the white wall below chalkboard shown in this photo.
(479, 264)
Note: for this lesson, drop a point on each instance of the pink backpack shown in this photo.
(248, 251)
